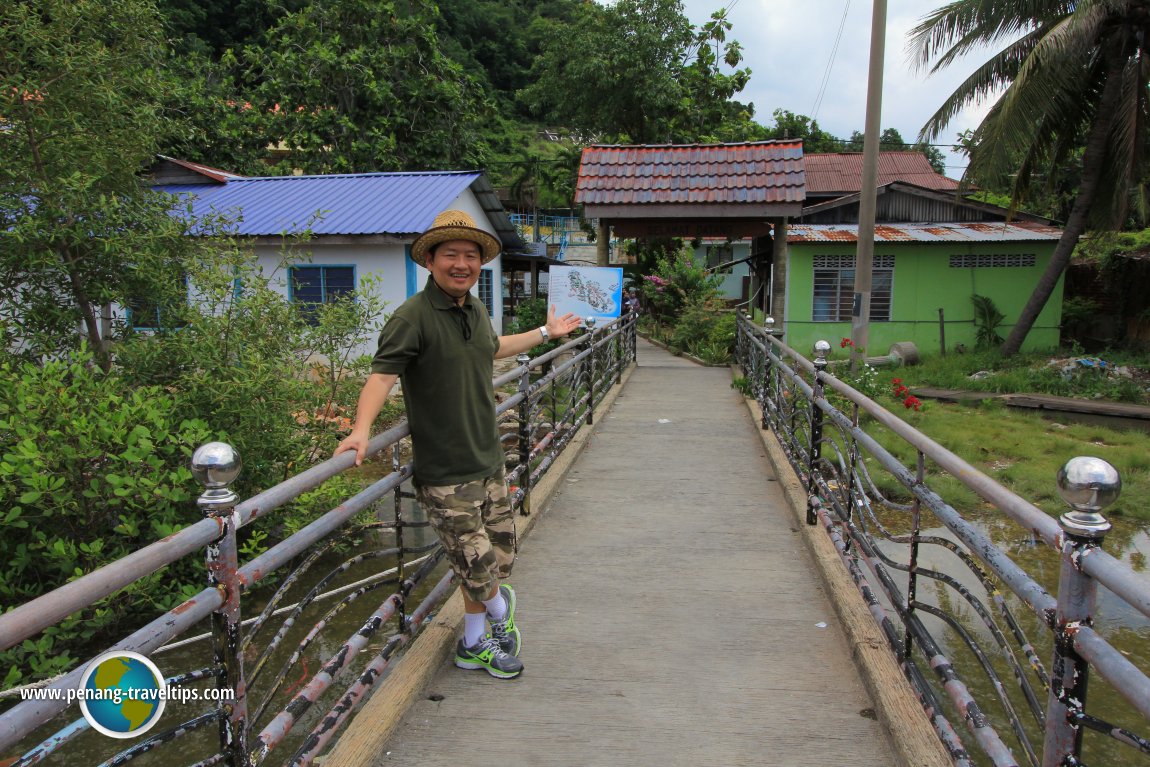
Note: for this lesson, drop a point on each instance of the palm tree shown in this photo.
(1075, 78)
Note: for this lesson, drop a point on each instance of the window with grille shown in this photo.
(312, 286)
(997, 260)
(835, 285)
(720, 254)
(486, 286)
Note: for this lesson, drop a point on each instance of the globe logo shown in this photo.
(122, 694)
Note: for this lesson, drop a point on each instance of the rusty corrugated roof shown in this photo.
(215, 174)
(988, 232)
(840, 173)
(753, 172)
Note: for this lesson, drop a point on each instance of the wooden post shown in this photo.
(603, 244)
(941, 332)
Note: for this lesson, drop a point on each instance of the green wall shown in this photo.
(923, 282)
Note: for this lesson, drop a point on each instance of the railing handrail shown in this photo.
(1103, 567)
(217, 532)
(842, 497)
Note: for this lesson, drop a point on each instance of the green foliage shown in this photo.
(789, 125)
(498, 41)
(987, 318)
(639, 71)
(1105, 247)
(211, 27)
(1077, 312)
(81, 84)
(1019, 449)
(705, 329)
(361, 85)
(1029, 372)
(683, 307)
(529, 315)
(91, 470)
(215, 122)
(676, 282)
(743, 385)
(867, 381)
(270, 380)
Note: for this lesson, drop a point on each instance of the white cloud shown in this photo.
(787, 44)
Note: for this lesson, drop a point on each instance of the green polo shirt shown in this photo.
(446, 384)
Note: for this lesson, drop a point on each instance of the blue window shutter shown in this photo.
(412, 275)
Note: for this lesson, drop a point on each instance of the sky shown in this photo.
(788, 44)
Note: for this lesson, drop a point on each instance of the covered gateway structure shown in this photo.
(734, 191)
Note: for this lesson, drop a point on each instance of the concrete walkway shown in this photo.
(669, 612)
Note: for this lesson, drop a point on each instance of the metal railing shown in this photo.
(544, 402)
(818, 422)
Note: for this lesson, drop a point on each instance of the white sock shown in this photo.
(474, 627)
(496, 607)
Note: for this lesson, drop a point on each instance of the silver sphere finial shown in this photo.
(821, 361)
(523, 358)
(1088, 485)
(590, 321)
(769, 324)
(216, 464)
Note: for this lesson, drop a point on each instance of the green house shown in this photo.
(933, 251)
(781, 228)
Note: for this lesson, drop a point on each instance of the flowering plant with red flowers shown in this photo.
(845, 343)
(900, 392)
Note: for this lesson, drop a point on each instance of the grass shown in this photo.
(1020, 450)
(1033, 373)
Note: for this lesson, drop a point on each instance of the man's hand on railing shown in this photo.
(356, 442)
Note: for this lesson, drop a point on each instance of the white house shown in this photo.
(357, 225)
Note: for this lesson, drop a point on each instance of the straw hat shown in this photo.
(454, 225)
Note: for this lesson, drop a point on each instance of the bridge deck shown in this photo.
(668, 609)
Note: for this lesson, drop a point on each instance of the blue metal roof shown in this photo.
(361, 203)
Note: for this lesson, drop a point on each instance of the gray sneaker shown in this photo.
(506, 633)
(490, 656)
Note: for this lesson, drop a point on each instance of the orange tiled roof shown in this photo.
(840, 173)
(752, 172)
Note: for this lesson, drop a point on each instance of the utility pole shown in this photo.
(864, 257)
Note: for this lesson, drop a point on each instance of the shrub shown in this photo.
(92, 470)
(987, 318)
(705, 329)
(529, 315)
(676, 283)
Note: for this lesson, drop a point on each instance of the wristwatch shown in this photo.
(543, 332)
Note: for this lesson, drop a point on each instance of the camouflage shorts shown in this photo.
(477, 529)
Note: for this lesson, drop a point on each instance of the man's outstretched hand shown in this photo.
(558, 327)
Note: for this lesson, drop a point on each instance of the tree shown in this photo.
(80, 91)
(640, 72)
(1075, 75)
(789, 125)
(217, 123)
(361, 85)
(213, 26)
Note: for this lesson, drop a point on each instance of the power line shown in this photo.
(830, 64)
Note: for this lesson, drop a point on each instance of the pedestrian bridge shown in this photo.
(670, 609)
(704, 578)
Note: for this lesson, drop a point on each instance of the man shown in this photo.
(441, 343)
